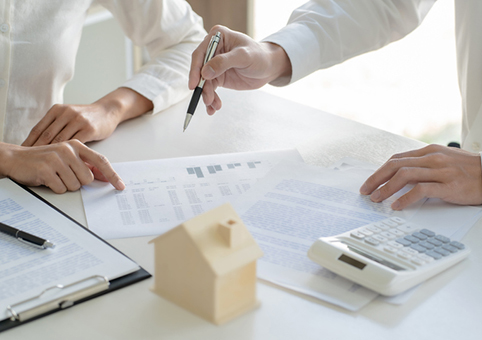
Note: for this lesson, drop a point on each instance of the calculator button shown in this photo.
(388, 235)
(433, 254)
(411, 239)
(403, 242)
(420, 236)
(435, 242)
(427, 232)
(457, 245)
(357, 235)
(373, 228)
(397, 232)
(365, 232)
(395, 244)
(372, 241)
(380, 238)
(406, 228)
(442, 239)
(442, 251)
(390, 249)
(410, 251)
(450, 248)
(381, 226)
(425, 258)
(397, 219)
(427, 245)
(417, 261)
(402, 254)
(418, 248)
(390, 223)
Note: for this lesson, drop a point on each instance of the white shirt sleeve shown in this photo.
(170, 31)
(322, 33)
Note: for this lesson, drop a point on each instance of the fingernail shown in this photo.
(120, 185)
(375, 196)
(364, 189)
(396, 205)
(208, 72)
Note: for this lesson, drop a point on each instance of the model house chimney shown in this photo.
(232, 232)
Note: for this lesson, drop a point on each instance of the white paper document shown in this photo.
(26, 271)
(296, 203)
(161, 194)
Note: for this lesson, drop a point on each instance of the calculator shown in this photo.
(389, 256)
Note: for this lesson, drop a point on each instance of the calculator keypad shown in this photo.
(399, 238)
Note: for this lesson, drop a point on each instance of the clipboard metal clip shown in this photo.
(61, 302)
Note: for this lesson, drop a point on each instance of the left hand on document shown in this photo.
(62, 166)
(436, 171)
(88, 123)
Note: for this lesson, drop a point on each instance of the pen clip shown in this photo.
(212, 47)
(208, 50)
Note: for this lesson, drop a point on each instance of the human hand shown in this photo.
(90, 122)
(62, 166)
(436, 171)
(240, 63)
(64, 122)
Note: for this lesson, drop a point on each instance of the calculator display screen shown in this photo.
(372, 257)
(352, 261)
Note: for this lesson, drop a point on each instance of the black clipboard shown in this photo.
(115, 284)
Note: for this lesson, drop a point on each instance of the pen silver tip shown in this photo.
(48, 244)
(187, 121)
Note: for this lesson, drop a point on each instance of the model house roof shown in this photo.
(221, 238)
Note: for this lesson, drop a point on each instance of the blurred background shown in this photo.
(408, 88)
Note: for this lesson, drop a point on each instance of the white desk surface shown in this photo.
(448, 306)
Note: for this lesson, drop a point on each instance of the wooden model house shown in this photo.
(207, 265)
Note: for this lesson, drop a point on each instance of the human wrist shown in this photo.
(123, 104)
(6, 158)
(280, 64)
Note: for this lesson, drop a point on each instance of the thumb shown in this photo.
(224, 62)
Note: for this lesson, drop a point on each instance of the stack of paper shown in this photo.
(291, 205)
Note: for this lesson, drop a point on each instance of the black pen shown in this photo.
(26, 237)
(213, 44)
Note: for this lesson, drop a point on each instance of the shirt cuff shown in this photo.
(298, 42)
(161, 94)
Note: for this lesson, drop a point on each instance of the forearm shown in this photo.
(123, 104)
(163, 79)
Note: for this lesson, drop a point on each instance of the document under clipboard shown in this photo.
(78, 291)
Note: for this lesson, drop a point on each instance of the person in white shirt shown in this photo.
(38, 44)
(322, 33)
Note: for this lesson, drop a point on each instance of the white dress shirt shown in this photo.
(322, 33)
(39, 41)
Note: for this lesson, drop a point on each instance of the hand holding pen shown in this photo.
(240, 63)
(213, 45)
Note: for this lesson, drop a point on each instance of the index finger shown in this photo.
(389, 169)
(38, 129)
(103, 165)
